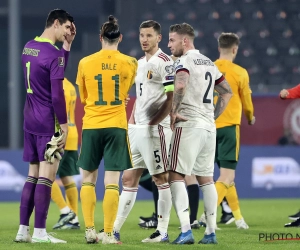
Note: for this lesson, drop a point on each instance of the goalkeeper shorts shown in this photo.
(34, 147)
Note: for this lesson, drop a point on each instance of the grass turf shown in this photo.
(262, 216)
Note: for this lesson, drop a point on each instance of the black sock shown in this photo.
(147, 184)
(155, 195)
(223, 211)
(193, 192)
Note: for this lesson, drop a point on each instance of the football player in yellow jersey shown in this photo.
(67, 168)
(228, 123)
(104, 79)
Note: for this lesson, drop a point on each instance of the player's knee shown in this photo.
(129, 180)
(160, 179)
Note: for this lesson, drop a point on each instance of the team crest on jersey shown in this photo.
(176, 63)
(149, 74)
(169, 69)
(61, 62)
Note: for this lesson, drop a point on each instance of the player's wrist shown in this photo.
(67, 46)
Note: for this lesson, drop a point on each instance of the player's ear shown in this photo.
(100, 38)
(159, 37)
(120, 38)
(56, 23)
(184, 40)
(234, 50)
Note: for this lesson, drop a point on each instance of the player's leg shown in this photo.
(229, 153)
(227, 216)
(182, 157)
(27, 196)
(147, 183)
(42, 196)
(130, 181)
(66, 173)
(192, 187)
(117, 158)
(222, 149)
(204, 169)
(89, 159)
(69, 206)
(154, 154)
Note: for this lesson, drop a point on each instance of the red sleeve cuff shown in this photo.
(222, 78)
(185, 70)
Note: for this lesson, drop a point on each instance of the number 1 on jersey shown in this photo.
(101, 102)
(29, 90)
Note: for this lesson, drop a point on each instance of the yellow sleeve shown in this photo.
(244, 83)
(81, 84)
(134, 63)
(245, 93)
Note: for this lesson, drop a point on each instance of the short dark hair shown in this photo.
(228, 40)
(183, 29)
(151, 24)
(110, 30)
(61, 15)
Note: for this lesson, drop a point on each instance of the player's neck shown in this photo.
(187, 48)
(226, 57)
(150, 53)
(109, 47)
(48, 34)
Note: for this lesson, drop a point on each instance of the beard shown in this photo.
(178, 53)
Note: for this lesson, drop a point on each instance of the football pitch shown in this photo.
(264, 217)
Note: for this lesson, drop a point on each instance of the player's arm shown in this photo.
(57, 94)
(164, 110)
(248, 108)
(131, 118)
(134, 69)
(245, 94)
(81, 84)
(59, 106)
(225, 93)
(290, 93)
(69, 37)
(181, 80)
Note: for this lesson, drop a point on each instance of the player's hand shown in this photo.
(176, 118)
(131, 120)
(63, 130)
(127, 100)
(252, 121)
(54, 148)
(70, 37)
(284, 93)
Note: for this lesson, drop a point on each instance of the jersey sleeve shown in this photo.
(81, 83)
(166, 71)
(134, 65)
(219, 76)
(181, 64)
(294, 92)
(244, 83)
(57, 66)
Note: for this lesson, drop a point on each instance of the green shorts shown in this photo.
(228, 146)
(67, 165)
(111, 144)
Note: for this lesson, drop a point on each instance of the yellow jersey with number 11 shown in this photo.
(104, 79)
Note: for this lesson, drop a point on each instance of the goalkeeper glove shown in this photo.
(52, 151)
